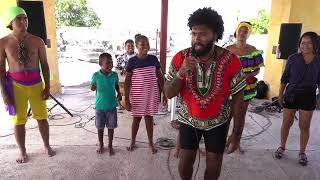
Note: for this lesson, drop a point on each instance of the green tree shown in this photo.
(75, 13)
(260, 23)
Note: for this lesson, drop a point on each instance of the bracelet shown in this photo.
(179, 76)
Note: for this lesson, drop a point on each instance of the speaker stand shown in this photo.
(57, 103)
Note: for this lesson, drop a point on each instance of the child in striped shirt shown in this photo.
(143, 84)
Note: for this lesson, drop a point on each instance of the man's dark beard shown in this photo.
(204, 51)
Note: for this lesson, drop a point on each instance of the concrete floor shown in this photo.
(76, 157)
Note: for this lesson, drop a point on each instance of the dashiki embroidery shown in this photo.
(205, 94)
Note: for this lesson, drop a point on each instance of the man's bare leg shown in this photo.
(213, 169)
(187, 158)
(44, 131)
(20, 135)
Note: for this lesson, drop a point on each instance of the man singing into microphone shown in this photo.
(210, 82)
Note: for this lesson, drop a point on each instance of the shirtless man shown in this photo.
(22, 83)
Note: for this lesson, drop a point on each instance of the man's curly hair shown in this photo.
(208, 17)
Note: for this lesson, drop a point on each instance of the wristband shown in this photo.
(179, 76)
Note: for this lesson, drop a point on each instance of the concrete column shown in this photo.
(163, 34)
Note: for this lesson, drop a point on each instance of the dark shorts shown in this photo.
(214, 139)
(305, 100)
(106, 118)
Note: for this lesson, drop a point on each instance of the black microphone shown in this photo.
(189, 72)
(192, 54)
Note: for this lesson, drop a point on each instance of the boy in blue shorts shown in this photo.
(106, 83)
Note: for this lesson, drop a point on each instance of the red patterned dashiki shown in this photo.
(206, 95)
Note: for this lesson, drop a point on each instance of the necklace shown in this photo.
(22, 51)
(212, 57)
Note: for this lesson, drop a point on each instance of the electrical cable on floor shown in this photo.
(80, 111)
(168, 165)
(79, 124)
(162, 143)
(166, 143)
(263, 128)
(71, 94)
(53, 117)
(198, 151)
(10, 134)
(115, 137)
(69, 124)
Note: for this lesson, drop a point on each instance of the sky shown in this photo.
(124, 15)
